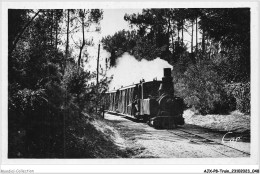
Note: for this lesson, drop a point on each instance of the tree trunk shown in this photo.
(192, 53)
(98, 63)
(168, 35)
(97, 98)
(52, 23)
(203, 41)
(67, 44)
(182, 32)
(56, 30)
(83, 42)
(209, 43)
(178, 36)
(173, 42)
(173, 47)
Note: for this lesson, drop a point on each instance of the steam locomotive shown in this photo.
(153, 102)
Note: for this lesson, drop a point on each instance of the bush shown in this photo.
(202, 88)
(75, 82)
(241, 93)
(35, 121)
(39, 116)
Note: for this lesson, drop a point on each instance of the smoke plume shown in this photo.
(130, 71)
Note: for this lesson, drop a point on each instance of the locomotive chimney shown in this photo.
(167, 84)
(167, 72)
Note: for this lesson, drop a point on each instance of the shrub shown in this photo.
(241, 93)
(35, 121)
(202, 88)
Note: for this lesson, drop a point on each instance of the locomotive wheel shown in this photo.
(163, 122)
(154, 122)
(170, 124)
(146, 118)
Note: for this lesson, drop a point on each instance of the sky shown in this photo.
(112, 22)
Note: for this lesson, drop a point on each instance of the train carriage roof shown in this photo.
(132, 86)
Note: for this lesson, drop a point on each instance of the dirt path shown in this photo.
(148, 142)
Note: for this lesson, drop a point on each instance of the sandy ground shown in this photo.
(236, 126)
(147, 142)
(235, 122)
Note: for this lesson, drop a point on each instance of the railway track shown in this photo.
(182, 142)
(219, 147)
(224, 150)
